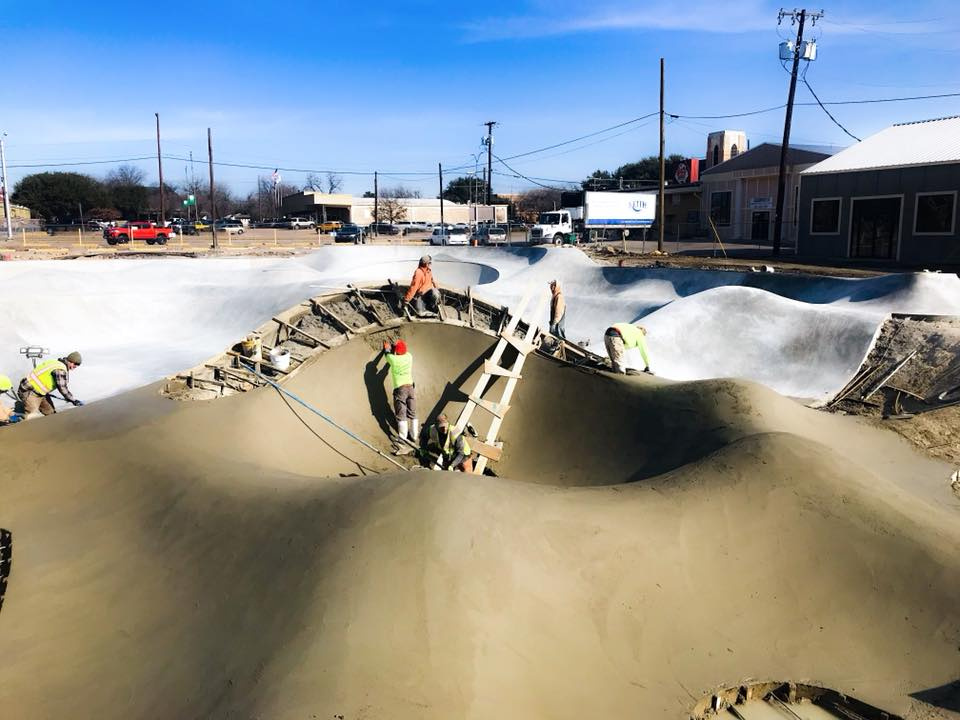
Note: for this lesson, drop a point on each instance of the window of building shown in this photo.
(720, 207)
(734, 151)
(716, 154)
(935, 213)
(825, 216)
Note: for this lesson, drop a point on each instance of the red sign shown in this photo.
(686, 171)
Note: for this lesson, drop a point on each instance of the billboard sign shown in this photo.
(614, 209)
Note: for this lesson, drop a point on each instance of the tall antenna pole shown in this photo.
(662, 169)
(800, 16)
(160, 168)
(213, 205)
(489, 124)
(6, 190)
(443, 228)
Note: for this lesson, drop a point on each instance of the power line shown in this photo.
(829, 115)
(530, 179)
(834, 102)
(87, 162)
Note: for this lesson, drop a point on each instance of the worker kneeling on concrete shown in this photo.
(621, 337)
(451, 446)
(34, 390)
(7, 415)
(404, 397)
(423, 287)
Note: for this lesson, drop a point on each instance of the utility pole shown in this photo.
(376, 205)
(489, 124)
(160, 168)
(6, 190)
(213, 206)
(798, 17)
(662, 169)
(443, 228)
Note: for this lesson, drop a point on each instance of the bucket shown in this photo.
(251, 346)
(280, 358)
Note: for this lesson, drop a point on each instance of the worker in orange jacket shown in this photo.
(423, 286)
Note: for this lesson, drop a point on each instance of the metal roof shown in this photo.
(927, 142)
(765, 155)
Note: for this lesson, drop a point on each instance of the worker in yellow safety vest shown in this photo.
(452, 446)
(34, 390)
(7, 415)
(404, 396)
(621, 337)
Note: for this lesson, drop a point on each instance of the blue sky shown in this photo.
(400, 86)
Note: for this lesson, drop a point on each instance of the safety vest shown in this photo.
(41, 379)
(448, 447)
(401, 369)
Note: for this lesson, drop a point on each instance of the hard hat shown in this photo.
(5, 383)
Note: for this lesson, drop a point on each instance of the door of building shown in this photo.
(760, 227)
(875, 228)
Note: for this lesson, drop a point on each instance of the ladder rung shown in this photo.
(494, 409)
(491, 368)
(522, 346)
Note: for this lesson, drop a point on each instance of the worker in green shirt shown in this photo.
(404, 398)
(621, 337)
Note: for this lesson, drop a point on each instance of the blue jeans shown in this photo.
(557, 328)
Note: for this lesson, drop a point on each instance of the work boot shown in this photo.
(402, 428)
(415, 430)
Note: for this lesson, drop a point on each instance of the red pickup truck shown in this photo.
(137, 231)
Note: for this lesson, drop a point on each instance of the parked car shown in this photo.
(138, 230)
(295, 223)
(329, 226)
(450, 236)
(490, 235)
(232, 227)
(183, 227)
(383, 229)
(349, 233)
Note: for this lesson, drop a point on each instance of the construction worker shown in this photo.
(7, 415)
(50, 375)
(451, 446)
(558, 311)
(621, 337)
(423, 286)
(404, 397)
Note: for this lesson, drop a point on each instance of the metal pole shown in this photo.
(662, 168)
(443, 229)
(213, 206)
(489, 124)
(782, 179)
(6, 190)
(376, 204)
(160, 168)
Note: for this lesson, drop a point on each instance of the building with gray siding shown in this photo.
(892, 197)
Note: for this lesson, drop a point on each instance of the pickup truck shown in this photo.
(137, 231)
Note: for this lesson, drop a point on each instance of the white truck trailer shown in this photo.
(586, 211)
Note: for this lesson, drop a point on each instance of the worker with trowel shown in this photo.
(7, 415)
(404, 397)
(451, 446)
(423, 286)
(36, 388)
(558, 311)
(621, 337)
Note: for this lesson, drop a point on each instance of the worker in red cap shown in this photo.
(404, 398)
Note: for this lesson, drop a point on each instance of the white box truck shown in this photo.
(586, 211)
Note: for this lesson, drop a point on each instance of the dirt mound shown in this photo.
(234, 558)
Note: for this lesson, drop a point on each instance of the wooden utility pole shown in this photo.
(489, 124)
(662, 169)
(443, 228)
(376, 205)
(160, 169)
(213, 205)
(801, 17)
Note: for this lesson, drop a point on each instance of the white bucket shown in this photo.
(280, 358)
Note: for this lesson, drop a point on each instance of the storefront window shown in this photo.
(720, 207)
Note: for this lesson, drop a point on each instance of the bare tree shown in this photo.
(314, 182)
(390, 210)
(531, 203)
(334, 182)
(399, 192)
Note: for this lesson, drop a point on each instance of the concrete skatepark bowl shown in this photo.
(644, 546)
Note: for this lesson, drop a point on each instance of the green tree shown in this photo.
(466, 189)
(59, 196)
(645, 170)
(128, 194)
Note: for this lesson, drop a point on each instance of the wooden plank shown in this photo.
(404, 309)
(231, 372)
(265, 363)
(295, 329)
(494, 369)
(522, 346)
(496, 409)
(491, 452)
(367, 306)
(470, 305)
(333, 316)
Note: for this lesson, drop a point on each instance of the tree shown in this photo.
(60, 196)
(390, 210)
(334, 182)
(127, 191)
(399, 192)
(465, 190)
(643, 171)
(533, 202)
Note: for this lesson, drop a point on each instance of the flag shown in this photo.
(275, 177)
